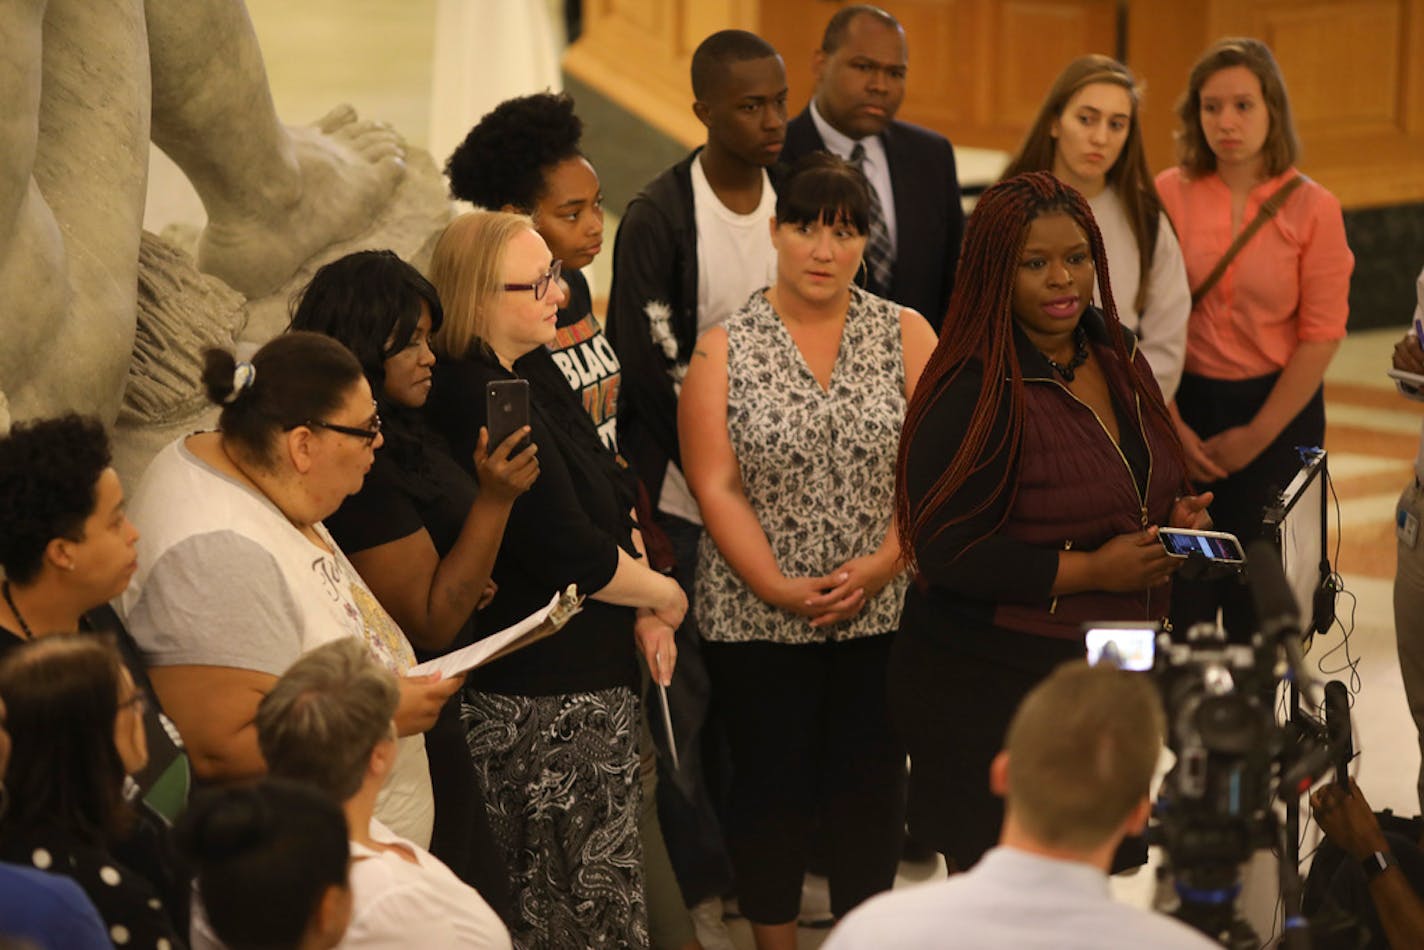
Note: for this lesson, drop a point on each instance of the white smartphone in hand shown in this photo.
(1216, 546)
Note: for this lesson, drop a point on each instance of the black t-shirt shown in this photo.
(567, 529)
(426, 488)
(584, 360)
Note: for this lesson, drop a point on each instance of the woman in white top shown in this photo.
(237, 576)
(1088, 135)
(327, 724)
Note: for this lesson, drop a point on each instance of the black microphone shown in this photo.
(1338, 729)
(1276, 610)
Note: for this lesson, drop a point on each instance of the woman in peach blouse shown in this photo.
(1260, 337)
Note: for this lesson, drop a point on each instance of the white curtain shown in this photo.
(487, 51)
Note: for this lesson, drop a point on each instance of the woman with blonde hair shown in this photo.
(1270, 273)
(552, 728)
(1088, 135)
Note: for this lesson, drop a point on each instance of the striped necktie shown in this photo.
(878, 256)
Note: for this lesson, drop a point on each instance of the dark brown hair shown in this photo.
(370, 302)
(1282, 147)
(824, 189)
(299, 377)
(61, 697)
(978, 332)
(265, 856)
(1129, 175)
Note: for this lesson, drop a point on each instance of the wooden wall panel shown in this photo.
(1354, 70)
(1029, 42)
(1363, 96)
(978, 68)
(638, 52)
(939, 70)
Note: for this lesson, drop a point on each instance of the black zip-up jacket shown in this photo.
(652, 317)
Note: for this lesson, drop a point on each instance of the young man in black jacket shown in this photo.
(691, 248)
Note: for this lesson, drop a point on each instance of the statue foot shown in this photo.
(348, 169)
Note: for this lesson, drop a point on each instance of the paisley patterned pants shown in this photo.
(562, 790)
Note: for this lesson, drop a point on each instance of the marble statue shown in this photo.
(87, 84)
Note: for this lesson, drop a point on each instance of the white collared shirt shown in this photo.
(876, 166)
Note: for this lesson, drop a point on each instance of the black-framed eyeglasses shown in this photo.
(368, 434)
(541, 286)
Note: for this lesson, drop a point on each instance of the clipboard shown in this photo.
(544, 622)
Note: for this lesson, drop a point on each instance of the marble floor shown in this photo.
(379, 56)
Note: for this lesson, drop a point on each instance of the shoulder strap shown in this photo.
(1268, 210)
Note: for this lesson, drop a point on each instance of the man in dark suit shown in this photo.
(860, 71)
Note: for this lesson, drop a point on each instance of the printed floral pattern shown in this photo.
(817, 465)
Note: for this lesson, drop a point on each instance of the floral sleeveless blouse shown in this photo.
(817, 465)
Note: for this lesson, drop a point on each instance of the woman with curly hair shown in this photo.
(68, 548)
(1088, 134)
(1036, 463)
(524, 157)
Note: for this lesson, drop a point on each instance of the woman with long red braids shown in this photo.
(1036, 463)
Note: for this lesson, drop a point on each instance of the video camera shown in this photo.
(1216, 807)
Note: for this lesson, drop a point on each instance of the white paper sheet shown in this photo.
(467, 658)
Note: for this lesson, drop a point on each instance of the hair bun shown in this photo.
(244, 374)
(231, 824)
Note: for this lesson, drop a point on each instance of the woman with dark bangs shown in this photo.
(789, 419)
(1037, 461)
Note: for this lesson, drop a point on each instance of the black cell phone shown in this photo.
(506, 411)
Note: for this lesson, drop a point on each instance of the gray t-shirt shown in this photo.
(225, 579)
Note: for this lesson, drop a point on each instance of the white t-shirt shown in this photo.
(735, 259)
(225, 579)
(397, 904)
(1162, 325)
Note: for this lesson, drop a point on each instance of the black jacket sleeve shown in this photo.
(646, 289)
(995, 568)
